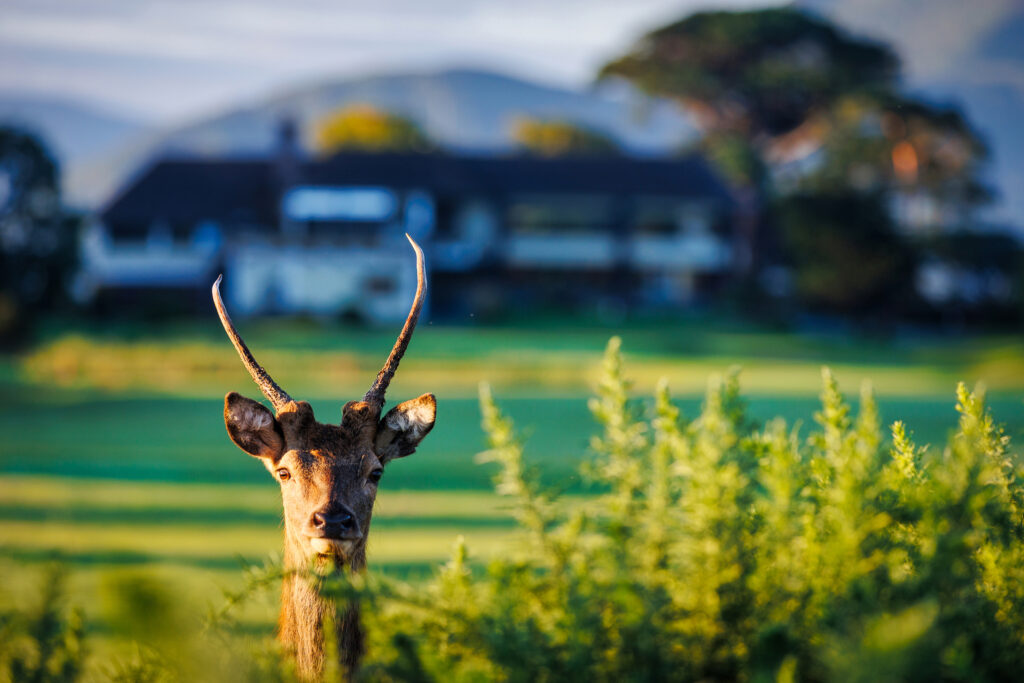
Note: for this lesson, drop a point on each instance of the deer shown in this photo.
(328, 475)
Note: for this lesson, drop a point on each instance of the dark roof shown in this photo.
(192, 189)
(686, 176)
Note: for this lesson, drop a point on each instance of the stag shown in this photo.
(328, 476)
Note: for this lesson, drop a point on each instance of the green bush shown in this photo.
(723, 550)
(43, 644)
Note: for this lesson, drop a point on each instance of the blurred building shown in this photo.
(325, 236)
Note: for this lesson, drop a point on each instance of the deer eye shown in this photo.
(376, 474)
(283, 474)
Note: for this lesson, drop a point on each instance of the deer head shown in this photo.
(328, 472)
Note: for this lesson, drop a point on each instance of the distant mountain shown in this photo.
(968, 54)
(460, 109)
(71, 131)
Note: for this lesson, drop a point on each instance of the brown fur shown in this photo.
(330, 472)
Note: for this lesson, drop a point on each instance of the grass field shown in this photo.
(114, 460)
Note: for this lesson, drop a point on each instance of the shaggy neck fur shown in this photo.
(303, 611)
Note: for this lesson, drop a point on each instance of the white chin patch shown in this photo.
(331, 546)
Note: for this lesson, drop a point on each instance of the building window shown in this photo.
(475, 222)
(381, 285)
(537, 215)
(359, 204)
(129, 234)
(161, 236)
(657, 217)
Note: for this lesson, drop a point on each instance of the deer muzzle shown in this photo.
(334, 532)
(337, 547)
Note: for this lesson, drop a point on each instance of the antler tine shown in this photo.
(375, 396)
(268, 386)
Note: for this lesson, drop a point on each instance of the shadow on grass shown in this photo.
(94, 558)
(404, 570)
(167, 516)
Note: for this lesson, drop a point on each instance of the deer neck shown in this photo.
(303, 613)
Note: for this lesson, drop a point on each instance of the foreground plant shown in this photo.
(43, 644)
(721, 550)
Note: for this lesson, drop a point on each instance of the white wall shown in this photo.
(321, 281)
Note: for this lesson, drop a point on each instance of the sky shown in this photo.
(164, 61)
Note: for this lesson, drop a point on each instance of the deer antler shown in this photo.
(375, 396)
(268, 386)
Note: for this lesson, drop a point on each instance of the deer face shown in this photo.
(328, 473)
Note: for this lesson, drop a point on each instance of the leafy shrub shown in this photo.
(43, 644)
(724, 550)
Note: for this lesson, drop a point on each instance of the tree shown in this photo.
(366, 128)
(843, 251)
(37, 236)
(762, 73)
(780, 84)
(796, 111)
(560, 138)
(893, 143)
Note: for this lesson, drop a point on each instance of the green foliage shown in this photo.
(878, 142)
(37, 235)
(760, 71)
(845, 254)
(812, 117)
(561, 138)
(43, 644)
(145, 666)
(365, 128)
(722, 550)
(736, 158)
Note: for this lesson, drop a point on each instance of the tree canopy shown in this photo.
(366, 128)
(763, 72)
(36, 234)
(779, 83)
(560, 138)
(812, 120)
(844, 253)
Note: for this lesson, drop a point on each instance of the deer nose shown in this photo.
(340, 524)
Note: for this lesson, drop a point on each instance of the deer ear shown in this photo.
(252, 427)
(404, 427)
